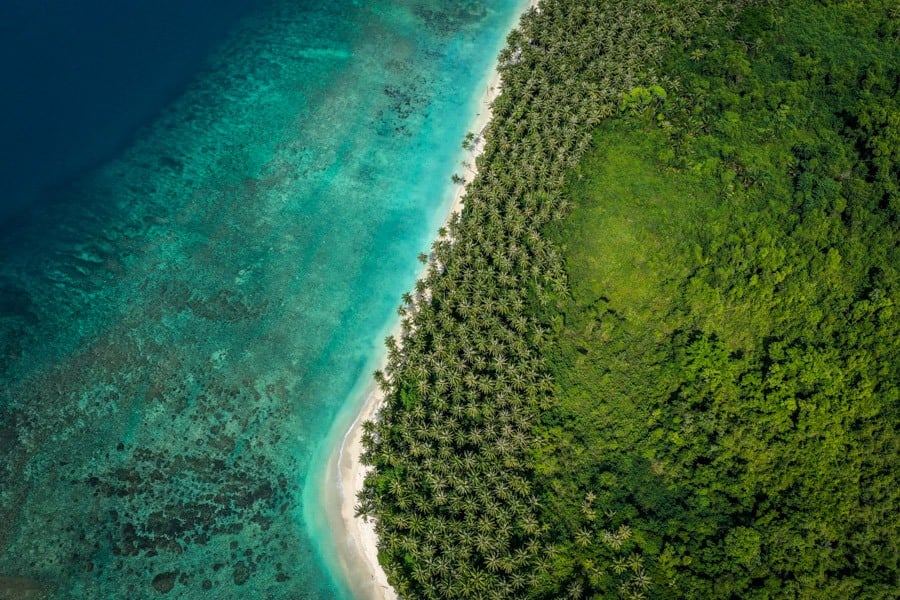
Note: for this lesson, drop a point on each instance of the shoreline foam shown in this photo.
(355, 538)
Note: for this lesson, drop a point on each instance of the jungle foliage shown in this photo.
(657, 355)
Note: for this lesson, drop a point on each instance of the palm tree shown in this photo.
(583, 537)
(642, 580)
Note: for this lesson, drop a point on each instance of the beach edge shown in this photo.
(355, 536)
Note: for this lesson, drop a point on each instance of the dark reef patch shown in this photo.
(164, 582)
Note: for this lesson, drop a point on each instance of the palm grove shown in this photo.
(656, 354)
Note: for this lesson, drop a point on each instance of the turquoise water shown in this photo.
(180, 328)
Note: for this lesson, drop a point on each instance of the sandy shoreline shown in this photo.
(355, 538)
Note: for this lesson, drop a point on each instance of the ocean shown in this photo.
(81, 77)
(208, 219)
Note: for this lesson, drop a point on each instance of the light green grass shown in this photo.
(627, 241)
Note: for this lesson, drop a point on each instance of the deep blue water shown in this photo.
(204, 294)
(80, 76)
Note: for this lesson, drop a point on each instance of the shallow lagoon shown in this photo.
(180, 328)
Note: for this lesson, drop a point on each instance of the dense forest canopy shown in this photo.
(658, 354)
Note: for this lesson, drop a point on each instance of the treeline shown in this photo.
(688, 387)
